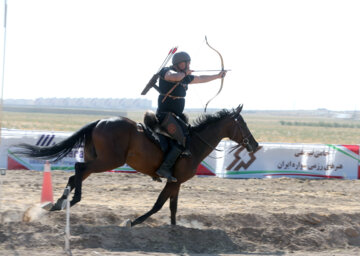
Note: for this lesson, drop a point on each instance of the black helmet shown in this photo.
(180, 57)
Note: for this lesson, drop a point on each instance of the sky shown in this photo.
(283, 54)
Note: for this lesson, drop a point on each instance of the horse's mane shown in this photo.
(206, 119)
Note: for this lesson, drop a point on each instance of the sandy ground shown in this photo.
(215, 217)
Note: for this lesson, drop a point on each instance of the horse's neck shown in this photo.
(205, 141)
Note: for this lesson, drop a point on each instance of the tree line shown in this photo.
(320, 124)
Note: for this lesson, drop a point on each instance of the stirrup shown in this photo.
(169, 177)
(186, 153)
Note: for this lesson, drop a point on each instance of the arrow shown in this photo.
(153, 80)
(168, 57)
(211, 70)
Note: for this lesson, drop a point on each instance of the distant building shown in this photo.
(91, 103)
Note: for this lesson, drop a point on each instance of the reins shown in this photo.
(205, 142)
(213, 148)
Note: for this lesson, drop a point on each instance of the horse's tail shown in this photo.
(59, 150)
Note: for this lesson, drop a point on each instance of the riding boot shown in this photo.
(165, 169)
(186, 152)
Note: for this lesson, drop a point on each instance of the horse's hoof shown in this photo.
(47, 206)
(59, 205)
(54, 208)
(126, 223)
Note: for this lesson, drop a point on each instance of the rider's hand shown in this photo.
(222, 74)
(187, 72)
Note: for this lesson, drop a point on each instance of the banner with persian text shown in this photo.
(290, 160)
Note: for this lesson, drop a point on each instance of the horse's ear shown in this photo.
(238, 109)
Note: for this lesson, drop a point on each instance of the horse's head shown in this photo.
(240, 133)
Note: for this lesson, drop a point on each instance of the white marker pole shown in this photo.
(3, 68)
(2, 172)
(67, 227)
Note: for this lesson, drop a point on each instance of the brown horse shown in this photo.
(110, 143)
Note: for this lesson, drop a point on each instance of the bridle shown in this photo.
(245, 142)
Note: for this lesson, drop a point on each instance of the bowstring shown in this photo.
(195, 86)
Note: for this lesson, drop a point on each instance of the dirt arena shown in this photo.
(215, 217)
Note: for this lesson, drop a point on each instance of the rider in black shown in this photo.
(174, 81)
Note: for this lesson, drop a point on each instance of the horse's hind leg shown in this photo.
(83, 170)
(80, 175)
(60, 203)
(75, 181)
(79, 172)
(168, 191)
(89, 155)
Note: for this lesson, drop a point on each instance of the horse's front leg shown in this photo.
(173, 206)
(168, 190)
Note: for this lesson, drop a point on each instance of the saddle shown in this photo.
(155, 131)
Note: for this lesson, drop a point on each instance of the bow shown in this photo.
(222, 69)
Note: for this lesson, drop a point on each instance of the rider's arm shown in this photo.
(173, 76)
(207, 78)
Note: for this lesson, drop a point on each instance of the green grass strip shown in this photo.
(124, 169)
(258, 172)
(207, 165)
(27, 165)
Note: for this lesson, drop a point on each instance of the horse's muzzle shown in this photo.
(252, 146)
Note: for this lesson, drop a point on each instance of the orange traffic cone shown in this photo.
(47, 192)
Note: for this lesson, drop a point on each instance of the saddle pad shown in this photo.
(161, 140)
